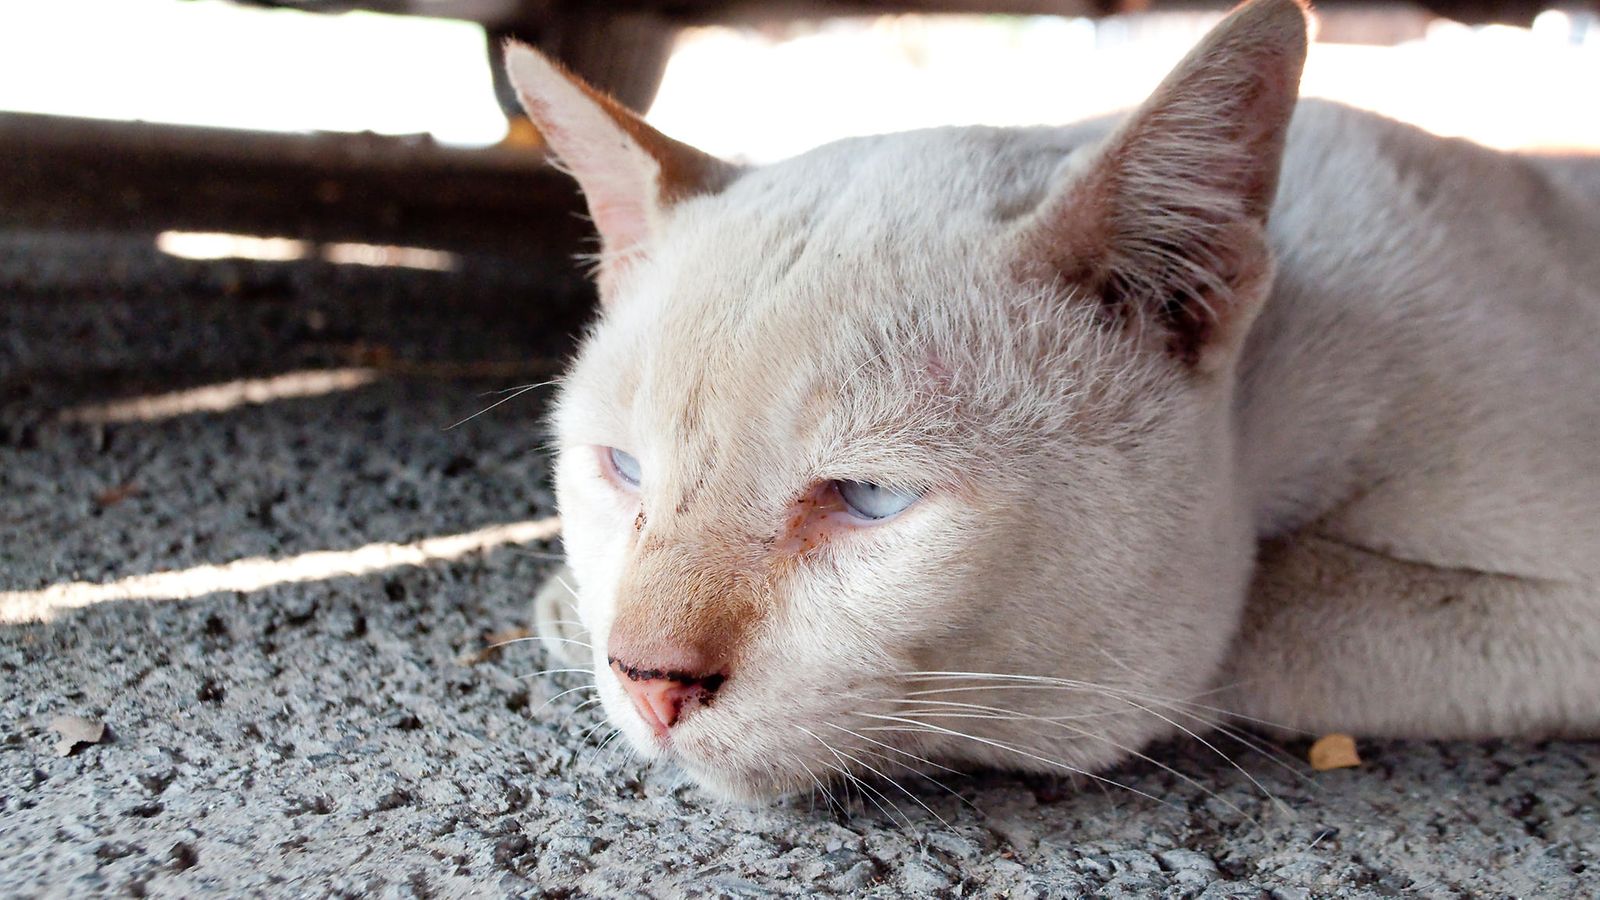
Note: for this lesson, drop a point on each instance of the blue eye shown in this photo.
(625, 466)
(873, 501)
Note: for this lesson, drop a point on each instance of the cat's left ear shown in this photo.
(1165, 223)
(630, 173)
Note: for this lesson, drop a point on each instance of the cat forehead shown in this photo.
(823, 296)
(859, 236)
(907, 186)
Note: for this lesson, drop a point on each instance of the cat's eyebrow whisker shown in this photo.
(518, 392)
(1000, 745)
(858, 369)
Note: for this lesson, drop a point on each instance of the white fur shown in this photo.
(1405, 430)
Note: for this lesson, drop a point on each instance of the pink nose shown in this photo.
(662, 696)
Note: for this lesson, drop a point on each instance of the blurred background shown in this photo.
(760, 81)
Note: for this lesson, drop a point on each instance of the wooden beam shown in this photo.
(75, 174)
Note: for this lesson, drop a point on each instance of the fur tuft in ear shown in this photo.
(1166, 223)
(629, 172)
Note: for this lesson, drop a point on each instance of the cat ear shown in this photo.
(1165, 222)
(629, 172)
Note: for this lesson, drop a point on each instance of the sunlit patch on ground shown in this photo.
(225, 396)
(257, 573)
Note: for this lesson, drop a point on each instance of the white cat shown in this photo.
(1025, 447)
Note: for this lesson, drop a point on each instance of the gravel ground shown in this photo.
(336, 736)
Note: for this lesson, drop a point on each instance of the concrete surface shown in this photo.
(328, 737)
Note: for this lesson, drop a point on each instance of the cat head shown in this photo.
(915, 449)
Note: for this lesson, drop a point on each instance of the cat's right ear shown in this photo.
(1164, 224)
(629, 172)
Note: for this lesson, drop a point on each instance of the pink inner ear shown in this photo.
(623, 225)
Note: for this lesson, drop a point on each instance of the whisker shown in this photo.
(1129, 697)
(541, 638)
(1277, 756)
(826, 794)
(1212, 747)
(897, 786)
(921, 759)
(567, 603)
(879, 754)
(581, 687)
(1046, 682)
(1079, 716)
(512, 394)
(1274, 755)
(862, 788)
(937, 729)
(1013, 715)
(572, 622)
(514, 388)
(609, 738)
(537, 674)
(567, 719)
(594, 728)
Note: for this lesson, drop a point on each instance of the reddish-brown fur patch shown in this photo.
(812, 520)
(687, 609)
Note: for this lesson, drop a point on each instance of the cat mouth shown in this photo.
(727, 754)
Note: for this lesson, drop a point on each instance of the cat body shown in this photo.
(1159, 431)
(1418, 430)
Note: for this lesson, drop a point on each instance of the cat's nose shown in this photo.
(662, 695)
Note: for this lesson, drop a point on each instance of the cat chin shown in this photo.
(746, 788)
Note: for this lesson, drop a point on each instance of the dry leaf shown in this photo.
(76, 731)
(1334, 751)
(112, 496)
